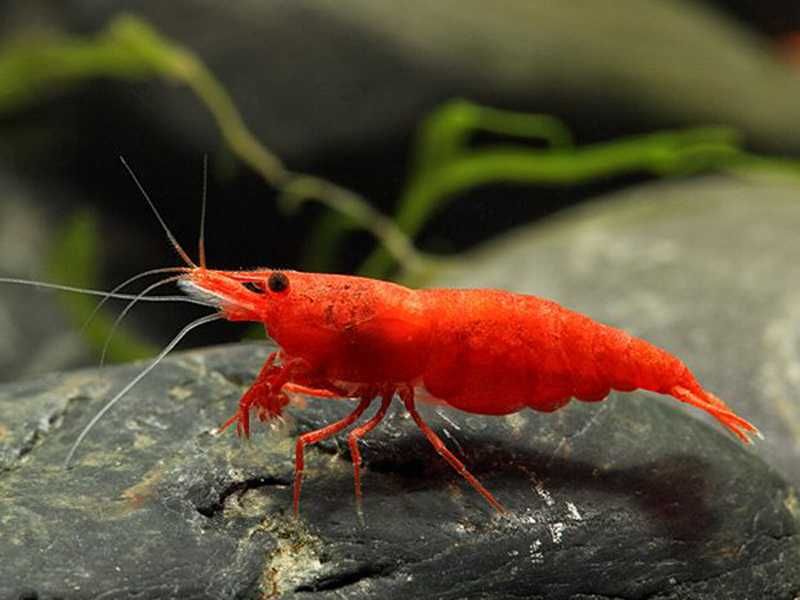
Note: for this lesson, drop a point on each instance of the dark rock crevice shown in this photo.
(213, 508)
(345, 578)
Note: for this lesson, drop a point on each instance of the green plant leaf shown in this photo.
(74, 260)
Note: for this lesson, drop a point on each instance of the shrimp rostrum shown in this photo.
(483, 351)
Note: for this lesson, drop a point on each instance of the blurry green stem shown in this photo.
(396, 243)
(446, 132)
(443, 138)
(660, 153)
(34, 65)
(295, 188)
(130, 48)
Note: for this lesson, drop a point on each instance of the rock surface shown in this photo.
(631, 498)
(627, 499)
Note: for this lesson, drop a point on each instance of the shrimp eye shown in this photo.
(253, 287)
(278, 282)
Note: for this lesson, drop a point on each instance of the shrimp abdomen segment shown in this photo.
(497, 352)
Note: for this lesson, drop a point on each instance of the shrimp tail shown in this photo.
(708, 402)
(652, 368)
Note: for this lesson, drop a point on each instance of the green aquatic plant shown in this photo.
(34, 66)
(75, 260)
(447, 164)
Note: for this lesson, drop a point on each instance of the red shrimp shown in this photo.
(483, 351)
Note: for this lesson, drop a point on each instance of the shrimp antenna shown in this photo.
(127, 309)
(124, 284)
(104, 294)
(201, 240)
(110, 404)
(181, 252)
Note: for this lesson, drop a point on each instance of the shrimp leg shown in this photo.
(312, 437)
(297, 388)
(357, 434)
(268, 393)
(407, 396)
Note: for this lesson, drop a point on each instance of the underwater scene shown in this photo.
(368, 299)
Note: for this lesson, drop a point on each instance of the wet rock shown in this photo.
(629, 498)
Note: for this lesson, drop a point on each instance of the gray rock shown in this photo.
(630, 498)
(625, 499)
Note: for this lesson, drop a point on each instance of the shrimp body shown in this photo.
(489, 352)
(483, 351)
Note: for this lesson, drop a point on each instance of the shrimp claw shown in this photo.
(264, 394)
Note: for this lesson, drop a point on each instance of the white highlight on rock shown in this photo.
(535, 552)
(543, 493)
(556, 531)
(573, 512)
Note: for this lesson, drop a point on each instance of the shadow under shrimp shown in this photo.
(674, 490)
(664, 488)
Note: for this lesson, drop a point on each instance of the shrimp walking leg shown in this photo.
(313, 437)
(407, 396)
(357, 434)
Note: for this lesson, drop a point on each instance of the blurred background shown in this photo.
(335, 128)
